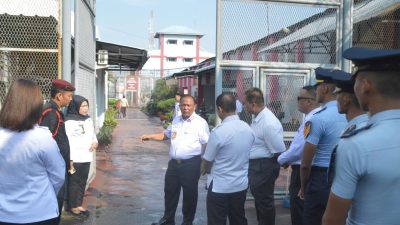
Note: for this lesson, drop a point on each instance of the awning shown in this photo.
(123, 57)
(362, 11)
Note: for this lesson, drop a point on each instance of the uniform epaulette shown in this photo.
(355, 131)
(323, 108)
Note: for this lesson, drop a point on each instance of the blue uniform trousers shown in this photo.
(316, 196)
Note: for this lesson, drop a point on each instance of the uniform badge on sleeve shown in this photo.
(307, 129)
(173, 135)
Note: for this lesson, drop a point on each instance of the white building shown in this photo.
(178, 48)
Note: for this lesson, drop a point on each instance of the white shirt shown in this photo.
(187, 136)
(124, 102)
(177, 110)
(81, 136)
(32, 172)
(239, 106)
(269, 135)
(294, 153)
(229, 148)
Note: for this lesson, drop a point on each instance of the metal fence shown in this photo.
(275, 45)
(376, 24)
(28, 43)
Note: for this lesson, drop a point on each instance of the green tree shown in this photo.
(160, 92)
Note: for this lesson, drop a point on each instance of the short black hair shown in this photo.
(188, 96)
(54, 91)
(387, 82)
(255, 95)
(311, 90)
(227, 102)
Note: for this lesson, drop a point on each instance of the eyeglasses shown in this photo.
(300, 98)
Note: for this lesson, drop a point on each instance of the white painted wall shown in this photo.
(180, 51)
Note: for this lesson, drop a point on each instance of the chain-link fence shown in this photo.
(376, 24)
(28, 43)
(279, 32)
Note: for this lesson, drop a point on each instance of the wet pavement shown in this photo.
(128, 188)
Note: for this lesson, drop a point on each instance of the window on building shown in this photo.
(171, 59)
(187, 60)
(187, 42)
(172, 41)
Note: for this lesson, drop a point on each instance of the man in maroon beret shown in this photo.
(53, 118)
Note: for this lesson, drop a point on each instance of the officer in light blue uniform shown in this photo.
(307, 104)
(321, 133)
(349, 105)
(366, 189)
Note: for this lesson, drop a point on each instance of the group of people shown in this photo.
(343, 157)
(235, 156)
(44, 156)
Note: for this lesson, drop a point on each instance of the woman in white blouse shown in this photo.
(82, 142)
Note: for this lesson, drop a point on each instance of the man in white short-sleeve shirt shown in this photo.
(263, 166)
(226, 159)
(189, 135)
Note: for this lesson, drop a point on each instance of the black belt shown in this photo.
(262, 159)
(295, 166)
(180, 161)
(319, 169)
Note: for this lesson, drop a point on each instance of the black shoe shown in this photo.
(85, 213)
(187, 223)
(81, 214)
(163, 222)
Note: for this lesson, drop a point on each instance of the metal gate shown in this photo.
(28, 43)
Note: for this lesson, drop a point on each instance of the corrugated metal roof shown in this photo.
(123, 57)
(328, 23)
(178, 30)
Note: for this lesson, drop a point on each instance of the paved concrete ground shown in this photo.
(128, 188)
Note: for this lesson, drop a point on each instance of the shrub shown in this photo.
(104, 137)
(151, 108)
(112, 103)
(166, 105)
(169, 116)
(109, 119)
(211, 119)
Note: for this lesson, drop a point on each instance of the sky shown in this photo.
(126, 22)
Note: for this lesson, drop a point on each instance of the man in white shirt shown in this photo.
(189, 136)
(177, 110)
(239, 106)
(263, 166)
(307, 104)
(226, 159)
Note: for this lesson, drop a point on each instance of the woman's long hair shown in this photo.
(22, 106)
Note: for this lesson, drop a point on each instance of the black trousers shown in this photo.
(53, 221)
(61, 197)
(263, 173)
(123, 111)
(77, 184)
(316, 196)
(183, 175)
(296, 204)
(223, 205)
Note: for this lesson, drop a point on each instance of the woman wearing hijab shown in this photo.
(82, 142)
